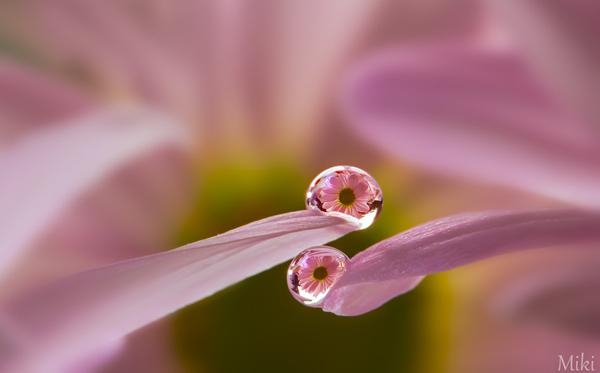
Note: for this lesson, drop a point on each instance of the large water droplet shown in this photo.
(313, 272)
(348, 192)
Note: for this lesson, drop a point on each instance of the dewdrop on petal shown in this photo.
(313, 272)
(348, 192)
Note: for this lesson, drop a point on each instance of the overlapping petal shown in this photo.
(465, 111)
(504, 311)
(105, 45)
(556, 292)
(393, 266)
(44, 172)
(560, 39)
(256, 70)
(28, 98)
(84, 311)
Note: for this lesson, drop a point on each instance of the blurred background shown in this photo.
(256, 87)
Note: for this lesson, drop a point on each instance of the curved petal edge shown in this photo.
(394, 266)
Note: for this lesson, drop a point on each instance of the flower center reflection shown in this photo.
(320, 273)
(347, 197)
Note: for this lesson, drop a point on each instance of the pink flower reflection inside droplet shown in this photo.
(348, 192)
(313, 272)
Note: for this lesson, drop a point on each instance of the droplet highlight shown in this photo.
(348, 192)
(313, 272)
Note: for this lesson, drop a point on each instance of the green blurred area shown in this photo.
(256, 326)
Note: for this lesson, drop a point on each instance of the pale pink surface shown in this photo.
(463, 110)
(556, 291)
(499, 346)
(255, 70)
(76, 314)
(394, 266)
(560, 41)
(517, 313)
(129, 212)
(97, 360)
(47, 170)
(148, 350)
(122, 205)
(29, 98)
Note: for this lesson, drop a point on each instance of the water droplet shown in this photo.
(313, 272)
(348, 192)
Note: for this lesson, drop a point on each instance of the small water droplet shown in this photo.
(348, 192)
(313, 272)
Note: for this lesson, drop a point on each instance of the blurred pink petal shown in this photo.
(256, 70)
(147, 350)
(496, 331)
(86, 310)
(399, 21)
(490, 345)
(130, 212)
(97, 360)
(561, 295)
(28, 98)
(313, 38)
(398, 262)
(107, 45)
(44, 172)
(560, 39)
(465, 111)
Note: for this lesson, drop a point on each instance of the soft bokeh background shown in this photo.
(256, 85)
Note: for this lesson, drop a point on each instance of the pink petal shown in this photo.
(335, 182)
(326, 197)
(89, 309)
(360, 206)
(360, 190)
(488, 295)
(46, 171)
(98, 360)
(126, 215)
(343, 179)
(333, 205)
(147, 350)
(464, 111)
(559, 295)
(354, 180)
(498, 346)
(304, 59)
(560, 39)
(28, 98)
(249, 63)
(111, 46)
(394, 266)
(129, 213)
